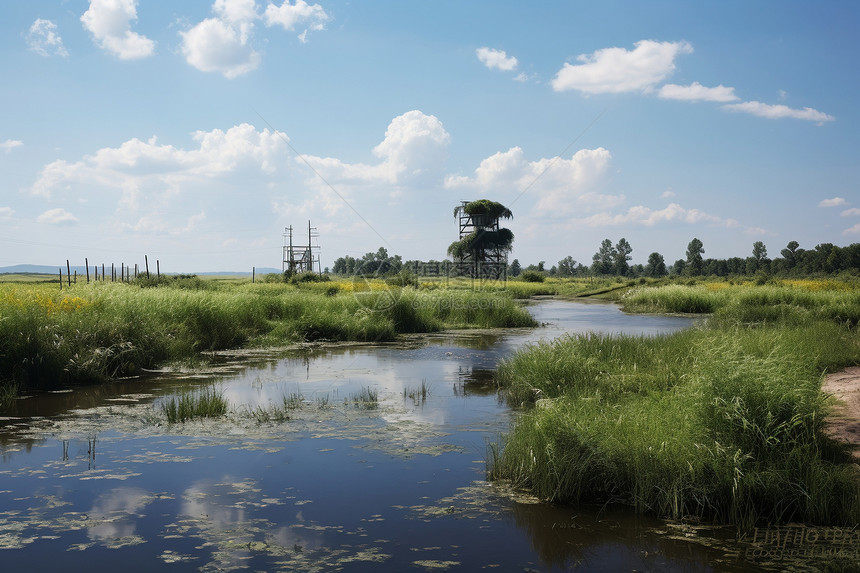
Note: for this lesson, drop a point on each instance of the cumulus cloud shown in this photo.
(57, 217)
(44, 39)
(698, 92)
(616, 70)
(496, 59)
(414, 150)
(222, 44)
(641, 215)
(136, 164)
(834, 202)
(10, 144)
(850, 212)
(779, 111)
(562, 186)
(855, 230)
(109, 21)
(309, 17)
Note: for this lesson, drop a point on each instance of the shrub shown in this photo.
(532, 276)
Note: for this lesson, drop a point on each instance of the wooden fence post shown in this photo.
(87, 264)
(146, 260)
(157, 268)
(61, 278)
(68, 272)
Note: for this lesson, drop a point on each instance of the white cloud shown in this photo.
(562, 186)
(834, 202)
(236, 11)
(215, 45)
(779, 111)
(109, 21)
(698, 92)
(44, 39)
(616, 70)
(641, 215)
(138, 164)
(855, 230)
(10, 144)
(414, 150)
(6, 211)
(57, 217)
(850, 212)
(496, 59)
(310, 17)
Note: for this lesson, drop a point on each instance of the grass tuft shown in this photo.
(191, 404)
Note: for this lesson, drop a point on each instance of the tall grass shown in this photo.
(724, 422)
(96, 332)
(191, 404)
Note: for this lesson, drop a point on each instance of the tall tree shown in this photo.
(566, 267)
(759, 251)
(789, 254)
(694, 257)
(656, 266)
(621, 256)
(603, 258)
(515, 268)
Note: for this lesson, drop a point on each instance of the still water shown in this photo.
(96, 479)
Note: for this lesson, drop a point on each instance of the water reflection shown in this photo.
(333, 487)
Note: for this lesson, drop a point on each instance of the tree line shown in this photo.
(614, 260)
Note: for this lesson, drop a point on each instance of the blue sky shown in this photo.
(195, 132)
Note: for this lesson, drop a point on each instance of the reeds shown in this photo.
(95, 332)
(365, 399)
(723, 422)
(191, 404)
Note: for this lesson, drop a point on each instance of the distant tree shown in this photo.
(566, 267)
(553, 270)
(789, 254)
(694, 257)
(621, 256)
(656, 266)
(515, 269)
(603, 258)
(759, 260)
(540, 266)
(759, 251)
(679, 267)
(344, 266)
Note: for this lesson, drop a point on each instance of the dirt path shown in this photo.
(844, 424)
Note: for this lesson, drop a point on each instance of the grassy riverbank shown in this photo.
(724, 421)
(95, 332)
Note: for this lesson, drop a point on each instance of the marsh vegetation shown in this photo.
(96, 332)
(723, 422)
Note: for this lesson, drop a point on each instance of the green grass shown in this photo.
(91, 333)
(278, 412)
(192, 404)
(723, 422)
(365, 399)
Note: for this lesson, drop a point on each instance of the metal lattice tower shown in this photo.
(301, 258)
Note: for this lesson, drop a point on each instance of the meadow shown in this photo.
(723, 422)
(94, 332)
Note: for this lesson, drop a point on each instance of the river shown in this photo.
(95, 478)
